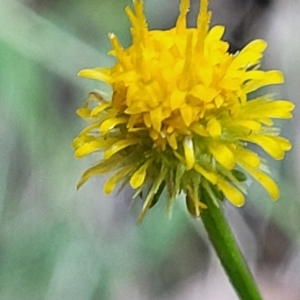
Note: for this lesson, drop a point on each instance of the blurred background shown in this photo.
(60, 243)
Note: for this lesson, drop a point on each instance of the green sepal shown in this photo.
(240, 176)
(158, 194)
(218, 193)
(190, 205)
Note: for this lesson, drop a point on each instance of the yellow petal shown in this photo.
(141, 20)
(177, 99)
(187, 115)
(101, 168)
(249, 56)
(256, 45)
(98, 109)
(211, 177)
(273, 145)
(199, 129)
(244, 59)
(231, 193)
(214, 127)
(136, 106)
(88, 129)
(116, 147)
(264, 106)
(170, 129)
(202, 25)
(270, 77)
(219, 100)
(223, 155)
(285, 144)
(249, 157)
(119, 52)
(250, 124)
(215, 33)
(147, 120)
(116, 178)
(92, 146)
(205, 73)
(279, 109)
(188, 147)
(154, 134)
(232, 84)
(133, 121)
(181, 20)
(153, 190)
(110, 123)
(254, 74)
(156, 118)
(138, 177)
(101, 74)
(81, 140)
(84, 112)
(172, 140)
(203, 93)
(267, 182)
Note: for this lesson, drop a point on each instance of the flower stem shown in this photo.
(228, 251)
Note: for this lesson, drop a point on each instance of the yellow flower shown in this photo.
(180, 116)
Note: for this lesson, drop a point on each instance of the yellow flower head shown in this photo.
(180, 116)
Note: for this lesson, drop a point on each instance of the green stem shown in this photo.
(228, 251)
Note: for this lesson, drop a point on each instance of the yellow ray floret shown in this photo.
(181, 114)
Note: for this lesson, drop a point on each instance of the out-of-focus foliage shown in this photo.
(59, 243)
